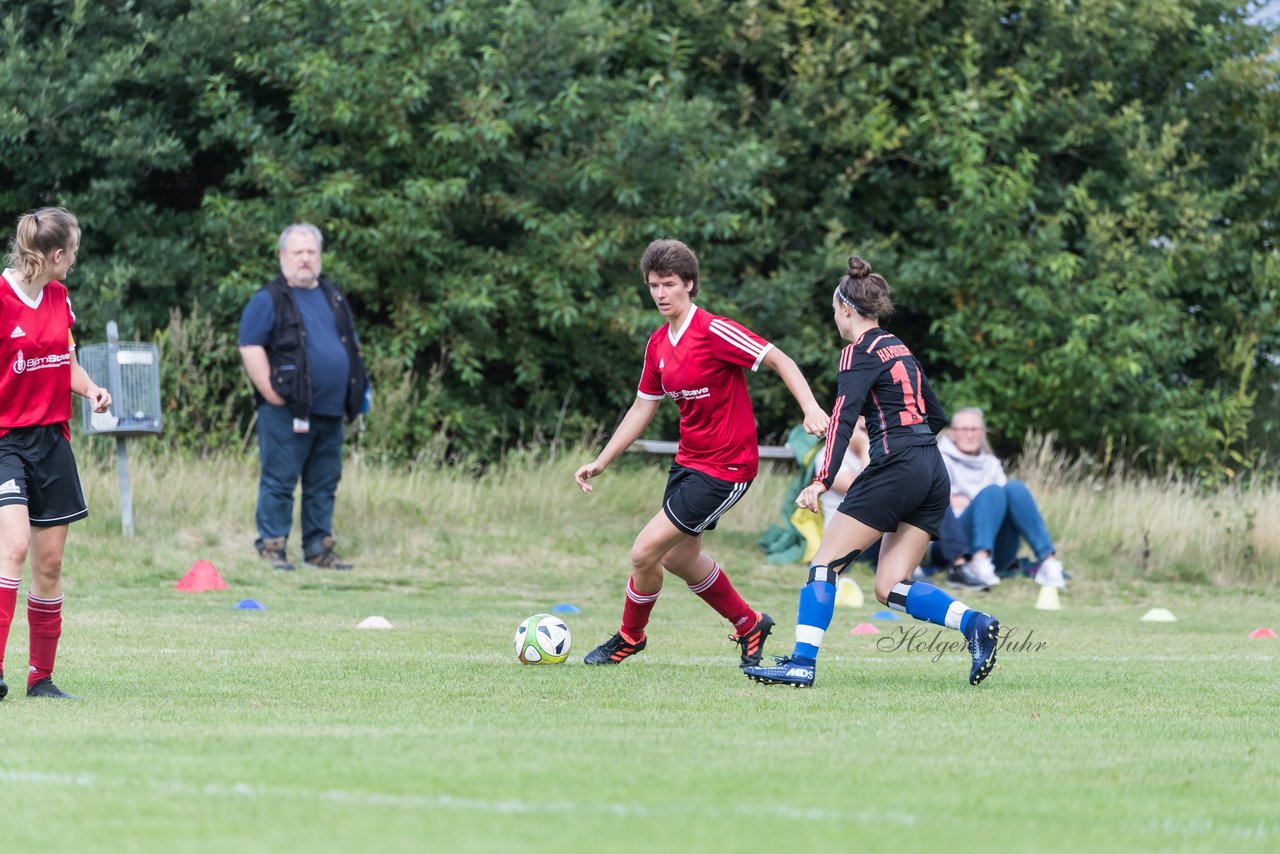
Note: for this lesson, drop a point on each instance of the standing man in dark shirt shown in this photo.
(298, 343)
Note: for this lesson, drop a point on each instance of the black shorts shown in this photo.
(910, 485)
(695, 501)
(38, 469)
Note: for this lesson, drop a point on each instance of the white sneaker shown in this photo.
(1050, 573)
(984, 570)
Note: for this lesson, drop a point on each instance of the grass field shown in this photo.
(207, 728)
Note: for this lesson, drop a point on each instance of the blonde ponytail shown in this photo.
(39, 234)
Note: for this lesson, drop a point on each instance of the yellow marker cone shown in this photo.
(1048, 600)
(848, 593)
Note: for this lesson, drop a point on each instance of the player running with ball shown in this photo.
(902, 494)
(696, 359)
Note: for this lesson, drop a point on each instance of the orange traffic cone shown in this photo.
(202, 575)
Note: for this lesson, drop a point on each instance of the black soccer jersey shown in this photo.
(881, 379)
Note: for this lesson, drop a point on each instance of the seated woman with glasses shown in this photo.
(995, 512)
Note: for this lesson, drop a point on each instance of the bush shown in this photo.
(1076, 211)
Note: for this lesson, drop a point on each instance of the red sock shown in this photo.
(8, 604)
(44, 616)
(635, 612)
(718, 592)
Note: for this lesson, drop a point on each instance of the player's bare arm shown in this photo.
(84, 386)
(633, 424)
(815, 417)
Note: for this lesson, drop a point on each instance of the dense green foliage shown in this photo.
(1076, 200)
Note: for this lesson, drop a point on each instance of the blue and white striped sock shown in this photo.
(817, 605)
(930, 604)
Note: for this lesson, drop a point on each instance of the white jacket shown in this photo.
(970, 474)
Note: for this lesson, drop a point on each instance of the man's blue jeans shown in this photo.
(998, 516)
(315, 457)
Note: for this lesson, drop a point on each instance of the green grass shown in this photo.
(206, 728)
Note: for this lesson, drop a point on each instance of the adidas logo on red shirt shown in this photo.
(17, 332)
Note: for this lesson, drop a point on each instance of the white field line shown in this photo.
(883, 658)
(1184, 827)
(730, 656)
(428, 803)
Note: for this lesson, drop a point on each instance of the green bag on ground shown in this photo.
(786, 543)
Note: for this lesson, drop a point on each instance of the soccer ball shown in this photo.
(542, 639)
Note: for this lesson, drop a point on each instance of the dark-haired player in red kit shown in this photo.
(40, 494)
(697, 359)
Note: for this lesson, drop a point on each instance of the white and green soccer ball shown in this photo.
(543, 639)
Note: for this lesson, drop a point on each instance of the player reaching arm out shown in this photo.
(815, 417)
(699, 360)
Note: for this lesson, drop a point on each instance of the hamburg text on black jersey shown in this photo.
(881, 379)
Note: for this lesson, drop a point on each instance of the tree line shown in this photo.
(1075, 201)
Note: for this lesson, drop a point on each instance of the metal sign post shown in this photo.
(122, 455)
(130, 371)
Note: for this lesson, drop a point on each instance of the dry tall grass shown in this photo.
(1119, 526)
(1126, 525)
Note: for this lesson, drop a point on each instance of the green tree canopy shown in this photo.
(1075, 202)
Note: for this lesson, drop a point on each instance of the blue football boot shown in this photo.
(785, 672)
(983, 636)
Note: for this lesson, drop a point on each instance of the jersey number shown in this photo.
(912, 402)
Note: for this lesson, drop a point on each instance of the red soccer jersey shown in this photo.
(700, 368)
(35, 357)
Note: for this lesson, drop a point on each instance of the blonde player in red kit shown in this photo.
(698, 360)
(40, 494)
